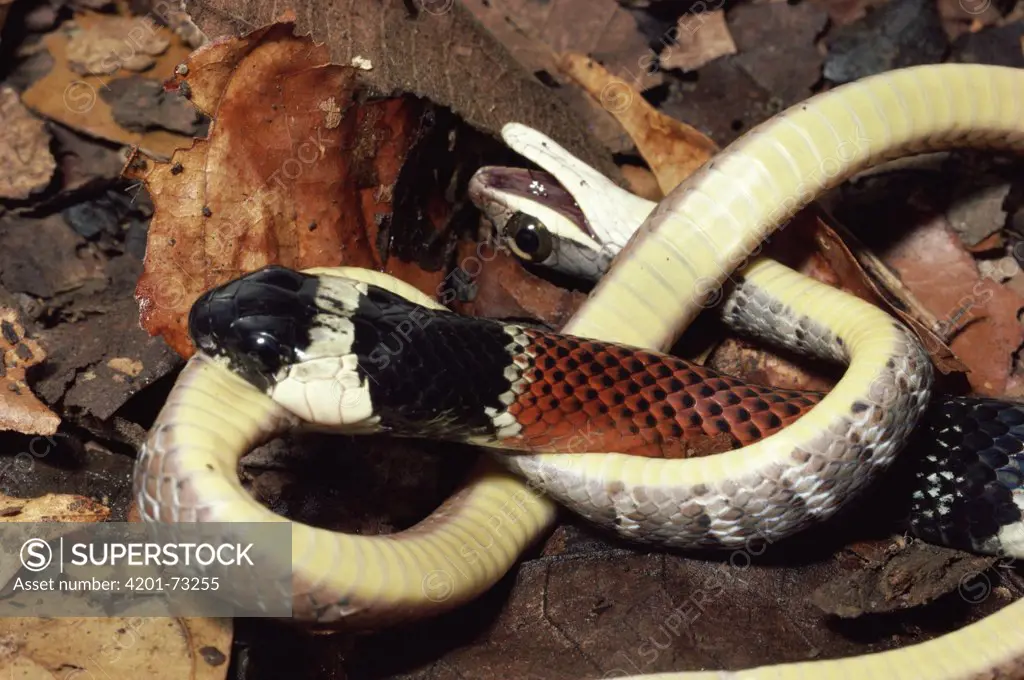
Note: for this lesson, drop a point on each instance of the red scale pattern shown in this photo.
(584, 396)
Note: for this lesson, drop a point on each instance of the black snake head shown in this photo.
(259, 322)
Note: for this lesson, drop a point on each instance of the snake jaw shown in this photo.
(257, 324)
(589, 217)
(290, 335)
(502, 193)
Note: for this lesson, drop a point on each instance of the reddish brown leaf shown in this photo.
(504, 289)
(294, 172)
(865, 275)
(978, 313)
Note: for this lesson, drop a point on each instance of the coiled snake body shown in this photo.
(279, 348)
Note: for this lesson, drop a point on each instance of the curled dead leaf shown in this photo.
(870, 279)
(289, 174)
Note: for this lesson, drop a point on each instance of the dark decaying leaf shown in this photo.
(141, 104)
(702, 37)
(917, 575)
(788, 69)
(539, 58)
(901, 33)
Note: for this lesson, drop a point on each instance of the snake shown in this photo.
(278, 349)
(974, 438)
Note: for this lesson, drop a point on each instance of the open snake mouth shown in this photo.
(537, 186)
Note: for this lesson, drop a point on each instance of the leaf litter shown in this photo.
(89, 52)
(578, 580)
(607, 606)
(26, 164)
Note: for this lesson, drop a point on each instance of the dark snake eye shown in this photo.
(531, 240)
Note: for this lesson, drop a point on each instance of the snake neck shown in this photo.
(485, 382)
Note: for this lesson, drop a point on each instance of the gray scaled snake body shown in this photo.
(280, 349)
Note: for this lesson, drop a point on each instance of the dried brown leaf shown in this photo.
(72, 99)
(599, 28)
(759, 364)
(672, 149)
(20, 410)
(703, 37)
(54, 508)
(124, 646)
(294, 172)
(864, 274)
(777, 47)
(56, 512)
(641, 182)
(26, 164)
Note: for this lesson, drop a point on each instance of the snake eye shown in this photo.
(530, 239)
